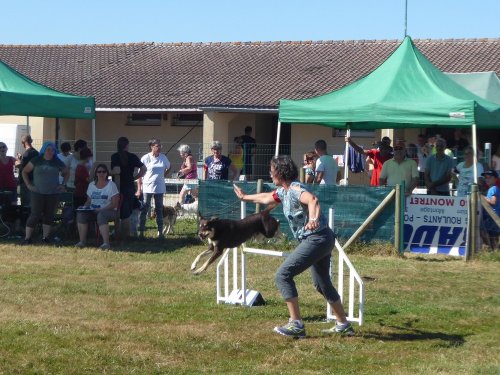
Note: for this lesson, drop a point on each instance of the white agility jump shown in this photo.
(230, 285)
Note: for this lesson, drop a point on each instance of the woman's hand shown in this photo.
(239, 193)
(312, 224)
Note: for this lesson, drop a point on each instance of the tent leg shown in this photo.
(278, 135)
(346, 152)
(474, 145)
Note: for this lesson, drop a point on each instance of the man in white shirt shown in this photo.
(327, 169)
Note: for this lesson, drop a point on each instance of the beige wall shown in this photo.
(222, 126)
(36, 126)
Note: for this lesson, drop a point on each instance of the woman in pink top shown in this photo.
(187, 171)
(7, 180)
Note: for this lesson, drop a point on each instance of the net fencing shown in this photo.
(352, 205)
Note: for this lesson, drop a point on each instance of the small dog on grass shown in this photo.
(188, 208)
(169, 217)
(223, 234)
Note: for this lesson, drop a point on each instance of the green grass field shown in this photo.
(138, 310)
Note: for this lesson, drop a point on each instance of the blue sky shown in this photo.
(127, 21)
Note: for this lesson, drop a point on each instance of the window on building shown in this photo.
(188, 119)
(144, 119)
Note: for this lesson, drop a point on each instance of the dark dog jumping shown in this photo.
(225, 234)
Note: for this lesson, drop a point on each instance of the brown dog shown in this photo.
(225, 234)
(169, 217)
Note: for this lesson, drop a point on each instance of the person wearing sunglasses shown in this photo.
(101, 206)
(400, 168)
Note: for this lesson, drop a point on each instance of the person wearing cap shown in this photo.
(379, 155)
(489, 228)
(438, 170)
(45, 190)
(218, 166)
(400, 168)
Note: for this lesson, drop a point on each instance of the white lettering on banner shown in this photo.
(457, 114)
(435, 224)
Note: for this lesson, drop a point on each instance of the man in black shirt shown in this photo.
(21, 162)
(249, 145)
(123, 166)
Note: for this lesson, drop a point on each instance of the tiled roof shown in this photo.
(237, 74)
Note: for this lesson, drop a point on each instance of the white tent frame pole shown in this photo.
(346, 153)
(474, 146)
(278, 135)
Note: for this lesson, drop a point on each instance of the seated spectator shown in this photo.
(400, 168)
(489, 228)
(310, 166)
(102, 205)
(464, 172)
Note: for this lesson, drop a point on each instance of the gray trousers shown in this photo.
(314, 251)
(158, 210)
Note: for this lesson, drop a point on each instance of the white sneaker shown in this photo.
(104, 246)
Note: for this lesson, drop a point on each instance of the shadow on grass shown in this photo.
(154, 245)
(413, 334)
(431, 259)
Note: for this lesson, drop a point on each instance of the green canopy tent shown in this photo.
(405, 91)
(21, 96)
(484, 84)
